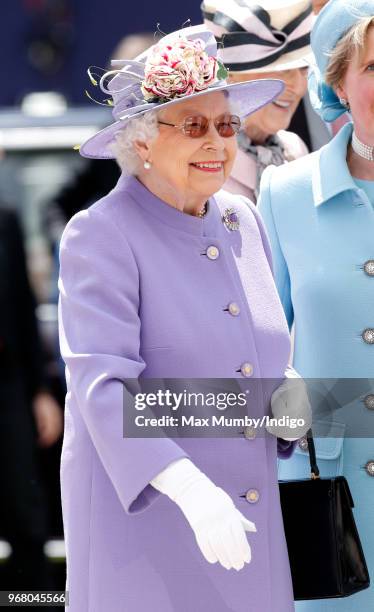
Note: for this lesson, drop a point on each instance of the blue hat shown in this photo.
(335, 19)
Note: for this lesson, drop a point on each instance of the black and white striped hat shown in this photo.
(261, 36)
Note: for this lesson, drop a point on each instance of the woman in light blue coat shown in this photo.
(320, 219)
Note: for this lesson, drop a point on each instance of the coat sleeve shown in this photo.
(280, 269)
(285, 448)
(99, 330)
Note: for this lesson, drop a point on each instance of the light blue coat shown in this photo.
(321, 229)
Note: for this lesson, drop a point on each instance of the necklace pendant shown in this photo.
(231, 219)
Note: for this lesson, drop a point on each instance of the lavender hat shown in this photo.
(181, 66)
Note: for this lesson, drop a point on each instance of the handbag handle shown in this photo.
(314, 470)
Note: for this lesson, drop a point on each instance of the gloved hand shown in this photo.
(291, 400)
(218, 525)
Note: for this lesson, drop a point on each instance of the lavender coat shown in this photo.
(140, 297)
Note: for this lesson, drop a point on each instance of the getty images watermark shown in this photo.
(189, 413)
(217, 421)
(225, 407)
(220, 401)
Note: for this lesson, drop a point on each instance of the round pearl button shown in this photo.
(369, 467)
(234, 309)
(249, 433)
(246, 369)
(369, 267)
(369, 401)
(252, 496)
(368, 336)
(212, 252)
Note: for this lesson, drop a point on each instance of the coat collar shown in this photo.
(331, 174)
(174, 218)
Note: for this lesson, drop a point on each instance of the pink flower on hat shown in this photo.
(178, 69)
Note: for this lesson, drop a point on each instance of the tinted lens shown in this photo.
(195, 126)
(227, 125)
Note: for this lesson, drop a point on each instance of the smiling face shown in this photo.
(186, 171)
(357, 86)
(278, 114)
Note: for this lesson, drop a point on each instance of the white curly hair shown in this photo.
(141, 128)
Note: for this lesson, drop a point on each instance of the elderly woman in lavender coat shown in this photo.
(161, 279)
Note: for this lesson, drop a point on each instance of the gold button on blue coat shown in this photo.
(252, 496)
(246, 369)
(249, 433)
(212, 252)
(234, 309)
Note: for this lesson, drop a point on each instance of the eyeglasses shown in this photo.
(197, 126)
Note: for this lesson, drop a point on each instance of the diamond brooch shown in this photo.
(231, 219)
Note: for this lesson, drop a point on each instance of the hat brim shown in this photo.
(247, 98)
(289, 61)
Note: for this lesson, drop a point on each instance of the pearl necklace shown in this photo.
(362, 149)
(203, 211)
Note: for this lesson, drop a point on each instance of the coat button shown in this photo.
(369, 401)
(369, 267)
(249, 433)
(252, 496)
(369, 467)
(234, 309)
(246, 369)
(303, 444)
(368, 336)
(212, 252)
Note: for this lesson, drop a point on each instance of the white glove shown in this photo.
(291, 400)
(218, 525)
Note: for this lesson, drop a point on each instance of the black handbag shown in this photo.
(324, 547)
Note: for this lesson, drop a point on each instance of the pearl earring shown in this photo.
(345, 103)
(147, 165)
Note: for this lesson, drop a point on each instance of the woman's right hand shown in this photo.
(219, 527)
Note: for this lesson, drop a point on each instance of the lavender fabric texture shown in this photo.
(139, 297)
